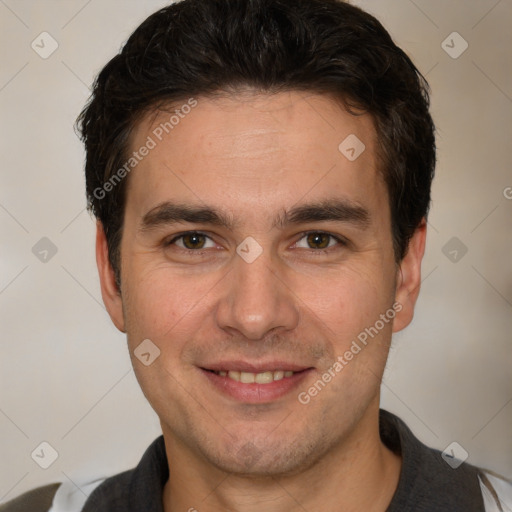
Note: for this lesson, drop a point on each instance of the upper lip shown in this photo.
(244, 366)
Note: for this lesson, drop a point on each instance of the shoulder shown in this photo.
(36, 500)
(496, 492)
(134, 489)
(56, 497)
(138, 489)
(71, 497)
(110, 494)
(432, 480)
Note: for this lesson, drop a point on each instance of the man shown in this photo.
(260, 172)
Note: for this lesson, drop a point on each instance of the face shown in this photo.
(254, 255)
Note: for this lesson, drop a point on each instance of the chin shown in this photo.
(265, 456)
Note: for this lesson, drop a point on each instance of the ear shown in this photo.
(109, 290)
(409, 278)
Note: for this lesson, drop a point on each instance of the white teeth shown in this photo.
(247, 378)
(258, 378)
(264, 378)
(278, 375)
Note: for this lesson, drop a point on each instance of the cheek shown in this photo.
(158, 303)
(348, 300)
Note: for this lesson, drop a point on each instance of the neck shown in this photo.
(359, 474)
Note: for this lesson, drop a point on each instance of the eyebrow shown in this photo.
(171, 213)
(340, 210)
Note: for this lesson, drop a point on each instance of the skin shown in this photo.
(254, 156)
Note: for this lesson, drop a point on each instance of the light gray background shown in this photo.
(65, 375)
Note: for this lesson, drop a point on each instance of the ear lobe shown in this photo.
(109, 290)
(409, 278)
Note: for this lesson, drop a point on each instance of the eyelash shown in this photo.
(341, 241)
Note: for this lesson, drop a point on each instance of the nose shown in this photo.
(257, 300)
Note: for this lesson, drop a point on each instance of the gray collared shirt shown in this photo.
(427, 482)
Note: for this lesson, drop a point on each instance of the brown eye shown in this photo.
(191, 241)
(318, 240)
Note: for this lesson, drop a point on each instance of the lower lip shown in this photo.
(256, 393)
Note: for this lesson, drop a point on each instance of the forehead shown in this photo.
(255, 153)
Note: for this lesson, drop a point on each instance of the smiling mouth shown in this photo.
(255, 378)
(264, 384)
